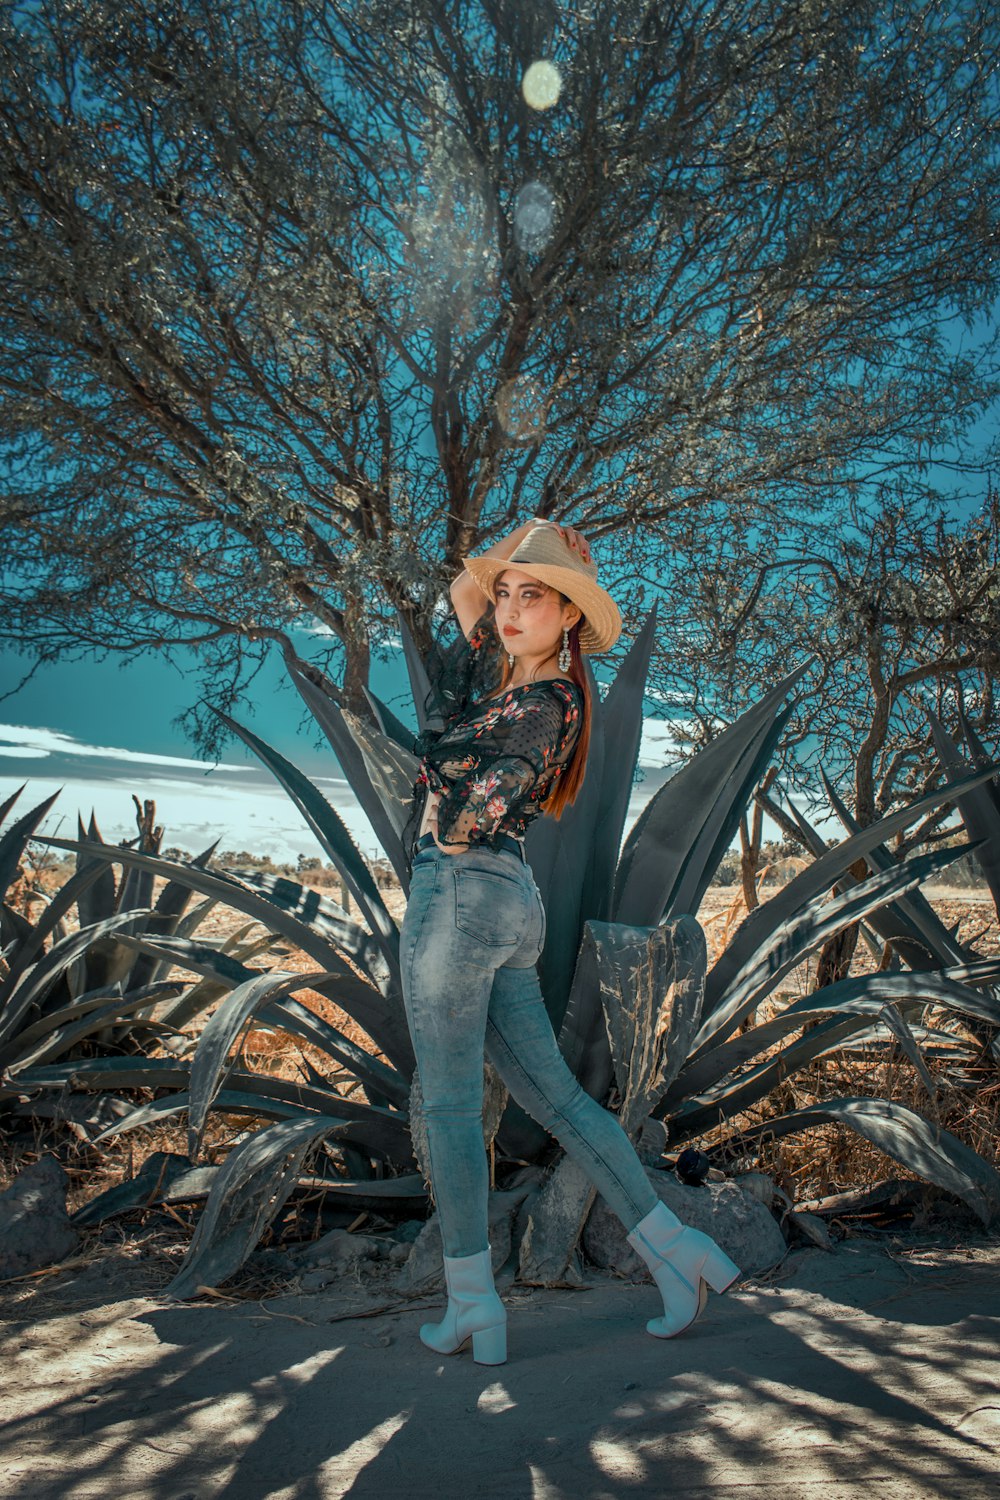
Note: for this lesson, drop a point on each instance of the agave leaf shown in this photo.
(803, 931)
(58, 1040)
(652, 981)
(392, 727)
(902, 1033)
(391, 771)
(206, 991)
(165, 920)
(766, 920)
(354, 995)
(5, 808)
(587, 1051)
(380, 1196)
(34, 985)
(675, 846)
(372, 1134)
(622, 718)
(326, 917)
(13, 841)
(574, 860)
(567, 860)
(251, 1188)
(151, 1185)
(332, 833)
(384, 1017)
(934, 1153)
(911, 924)
(56, 909)
(273, 1094)
(298, 1020)
(380, 772)
(863, 995)
(98, 901)
(221, 1031)
(420, 683)
(288, 1015)
(979, 808)
(100, 1073)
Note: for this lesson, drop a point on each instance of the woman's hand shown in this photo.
(573, 538)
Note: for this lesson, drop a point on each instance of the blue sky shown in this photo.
(101, 731)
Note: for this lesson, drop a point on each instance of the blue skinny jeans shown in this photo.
(471, 936)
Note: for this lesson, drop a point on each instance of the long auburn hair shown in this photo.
(567, 786)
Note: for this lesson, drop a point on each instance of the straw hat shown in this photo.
(544, 554)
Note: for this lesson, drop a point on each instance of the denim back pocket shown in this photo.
(490, 906)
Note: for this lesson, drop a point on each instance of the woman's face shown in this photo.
(534, 611)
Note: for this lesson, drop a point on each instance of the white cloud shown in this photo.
(193, 813)
(23, 740)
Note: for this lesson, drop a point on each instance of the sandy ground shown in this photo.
(869, 1371)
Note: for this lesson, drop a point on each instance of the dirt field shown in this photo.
(871, 1370)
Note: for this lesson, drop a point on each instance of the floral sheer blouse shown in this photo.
(497, 757)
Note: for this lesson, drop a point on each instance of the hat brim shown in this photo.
(602, 623)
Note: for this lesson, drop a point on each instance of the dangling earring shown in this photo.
(510, 657)
(565, 656)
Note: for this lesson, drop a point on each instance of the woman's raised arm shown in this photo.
(467, 598)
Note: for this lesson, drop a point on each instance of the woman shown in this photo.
(474, 927)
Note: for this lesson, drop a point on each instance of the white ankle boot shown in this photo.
(682, 1260)
(473, 1309)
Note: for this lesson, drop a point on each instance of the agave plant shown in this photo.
(623, 972)
(74, 992)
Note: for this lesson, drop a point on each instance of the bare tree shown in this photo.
(301, 301)
(899, 610)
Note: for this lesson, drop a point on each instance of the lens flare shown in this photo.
(534, 213)
(521, 410)
(541, 85)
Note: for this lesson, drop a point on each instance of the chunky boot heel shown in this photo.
(684, 1263)
(718, 1270)
(474, 1311)
(489, 1345)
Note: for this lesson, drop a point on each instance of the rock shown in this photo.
(35, 1230)
(315, 1281)
(341, 1251)
(810, 1228)
(738, 1222)
(548, 1249)
(407, 1231)
(424, 1269)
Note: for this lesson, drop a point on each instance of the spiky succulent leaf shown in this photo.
(979, 808)
(865, 995)
(36, 983)
(674, 848)
(783, 949)
(381, 773)
(332, 834)
(208, 1065)
(910, 923)
(47, 1041)
(249, 1190)
(48, 922)
(769, 919)
(14, 840)
(934, 1153)
(652, 981)
(383, 1014)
